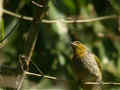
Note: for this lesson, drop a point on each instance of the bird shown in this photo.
(86, 66)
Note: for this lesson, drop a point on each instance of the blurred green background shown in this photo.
(53, 50)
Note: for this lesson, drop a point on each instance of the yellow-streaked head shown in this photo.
(79, 48)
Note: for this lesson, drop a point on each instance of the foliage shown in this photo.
(53, 50)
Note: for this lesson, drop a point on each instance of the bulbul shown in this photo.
(86, 66)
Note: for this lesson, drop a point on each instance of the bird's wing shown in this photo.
(98, 62)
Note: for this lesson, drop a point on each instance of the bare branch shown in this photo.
(38, 5)
(104, 83)
(21, 82)
(62, 20)
(39, 75)
(81, 21)
(32, 37)
(17, 15)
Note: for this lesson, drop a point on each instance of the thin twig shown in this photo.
(104, 83)
(31, 50)
(40, 71)
(39, 75)
(81, 21)
(17, 15)
(21, 82)
(38, 5)
(62, 20)
(12, 29)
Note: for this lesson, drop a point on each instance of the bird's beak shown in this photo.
(73, 44)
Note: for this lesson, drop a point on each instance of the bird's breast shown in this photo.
(86, 67)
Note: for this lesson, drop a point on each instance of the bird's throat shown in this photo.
(80, 52)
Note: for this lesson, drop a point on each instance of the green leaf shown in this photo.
(2, 33)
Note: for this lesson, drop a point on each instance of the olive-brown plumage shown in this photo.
(86, 66)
